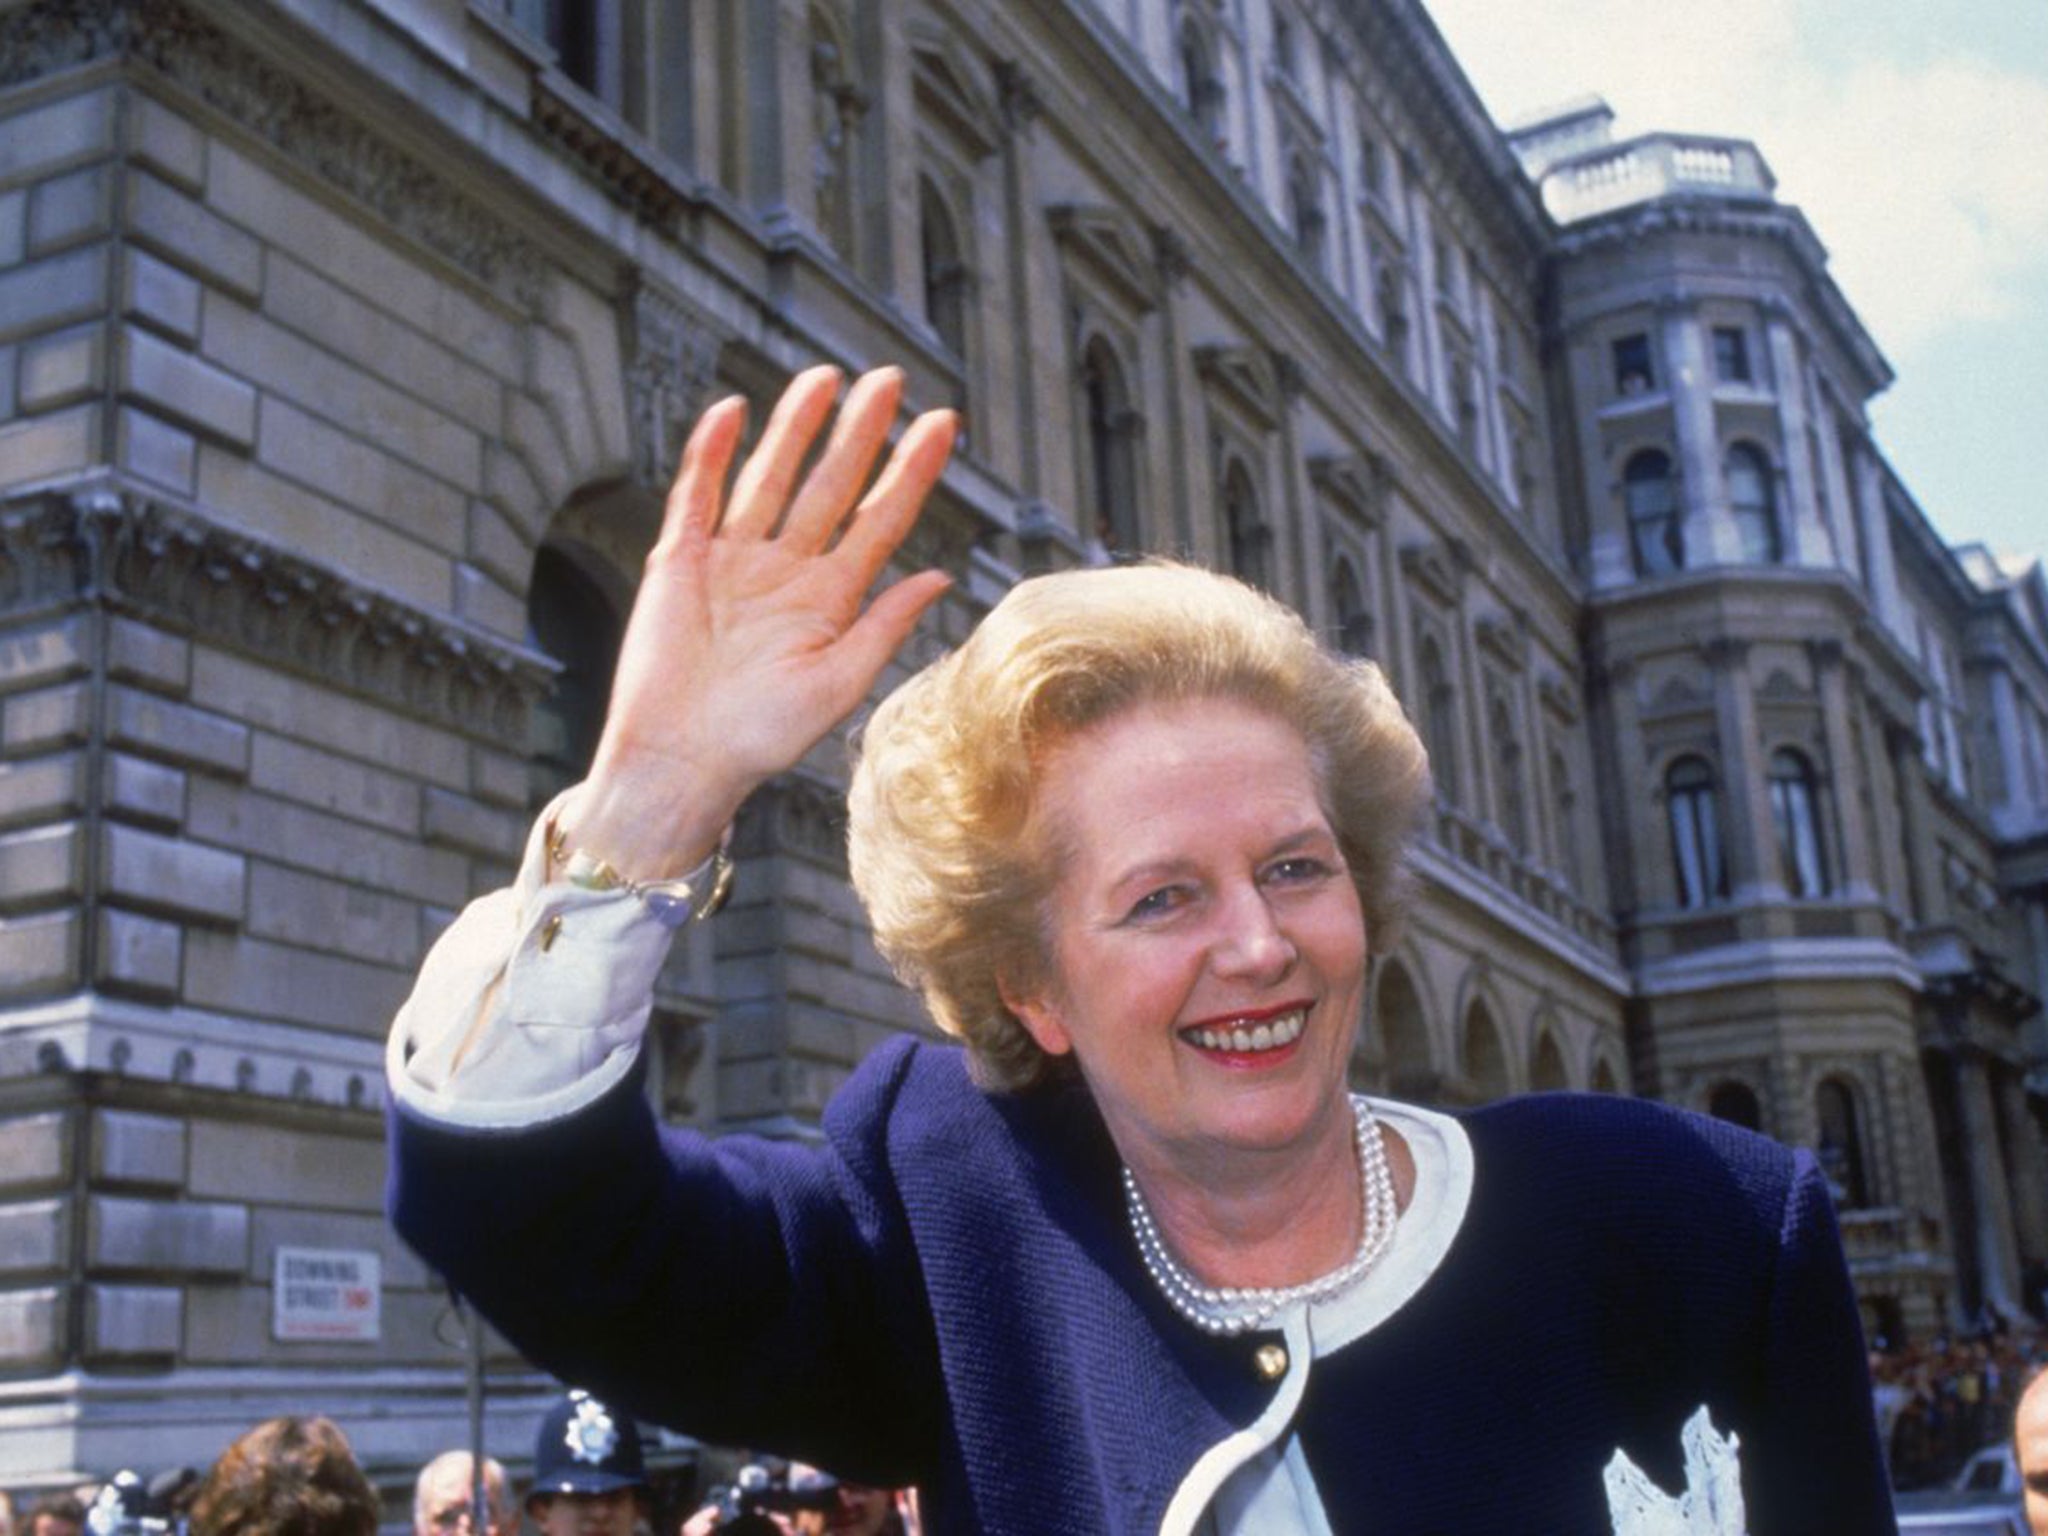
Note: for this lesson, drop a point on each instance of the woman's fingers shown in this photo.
(857, 439)
(769, 475)
(887, 512)
(693, 499)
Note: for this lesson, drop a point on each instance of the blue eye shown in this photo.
(1158, 903)
(1298, 870)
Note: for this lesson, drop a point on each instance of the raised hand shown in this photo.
(748, 641)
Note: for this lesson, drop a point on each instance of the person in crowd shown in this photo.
(57, 1514)
(589, 1476)
(1134, 1258)
(444, 1497)
(288, 1476)
(2030, 1450)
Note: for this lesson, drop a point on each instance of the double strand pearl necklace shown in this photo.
(1233, 1309)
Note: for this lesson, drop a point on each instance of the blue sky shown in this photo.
(1914, 135)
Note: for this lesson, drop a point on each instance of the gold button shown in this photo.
(1270, 1360)
(548, 931)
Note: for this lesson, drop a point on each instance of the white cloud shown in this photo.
(1926, 178)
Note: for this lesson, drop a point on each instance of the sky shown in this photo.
(1914, 136)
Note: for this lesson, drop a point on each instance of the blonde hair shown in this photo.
(942, 788)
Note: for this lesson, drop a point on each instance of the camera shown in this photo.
(127, 1506)
(759, 1491)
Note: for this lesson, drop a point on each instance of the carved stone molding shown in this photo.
(1435, 568)
(675, 363)
(796, 816)
(173, 567)
(598, 138)
(309, 129)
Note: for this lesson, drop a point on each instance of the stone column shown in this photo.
(1984, 1166)
(1879, 573)
(1709, 538)
(1033, 293)
(1300, 522)
(1923, 871)
(1834, 479)
(1843, 771)
(2011, 806)
(1644, 851)
(1747, 845)
(2027, 1169)
(1805, 540)
(1175, 437)
(1609, 561)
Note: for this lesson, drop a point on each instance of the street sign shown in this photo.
(328, 1294)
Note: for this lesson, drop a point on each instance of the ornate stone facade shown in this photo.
(345, 350)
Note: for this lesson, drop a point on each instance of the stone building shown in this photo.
(344, 349)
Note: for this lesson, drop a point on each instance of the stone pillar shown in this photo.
(1301, 521)
(2011, 806)
(2027, 1169)
(1643, 851)
(1609, 562)
(1709, 538)
(1033, 293)
(1843, 772)
(1176, 430)
(1805, 540)
(1834, 479)
(1923, 871)
(1984, 1167)
(1752, 860)
(1880, 575)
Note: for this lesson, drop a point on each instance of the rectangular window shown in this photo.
(1633, 374)
(1731, 355)
(1370, 166)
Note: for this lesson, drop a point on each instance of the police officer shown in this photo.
(588, 1478)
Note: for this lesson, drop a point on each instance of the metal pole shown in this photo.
(480, 1508)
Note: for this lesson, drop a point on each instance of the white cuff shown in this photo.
(531, 1005)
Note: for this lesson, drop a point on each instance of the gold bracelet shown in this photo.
(697, 894)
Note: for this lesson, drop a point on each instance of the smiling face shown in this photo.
(1206, 952)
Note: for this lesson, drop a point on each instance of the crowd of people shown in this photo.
(1939, 1400)
(299, 1476)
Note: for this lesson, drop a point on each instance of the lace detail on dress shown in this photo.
(1711, 1504)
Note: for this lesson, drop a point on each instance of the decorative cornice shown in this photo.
(1356, 483)
(1505, 639)
(309, 129)
(1436, 569)
(658, 193)
(1243, 377)
(172, 566)
(1111, 250)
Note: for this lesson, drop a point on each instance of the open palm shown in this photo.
(748, 640)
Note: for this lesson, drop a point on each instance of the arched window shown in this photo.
(836, 104)
(1604, 1078)
(1841, 1148)
(1564, 795)
(569, 618)
(1546, 1070)
(1695, 832)
(1737, 1104)
(1795, 806)
(1485, 1064)
(1249, 538)
(1439, 719)
(1112, 458)
(1411, 1071)
(1507, 761)
(1347, 606)
(1753, 506)
(1305, 209)
(945, 273)
(1393, 305)
(1652, 502)
(1201, 88)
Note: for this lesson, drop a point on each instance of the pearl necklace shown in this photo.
(1234, 1309)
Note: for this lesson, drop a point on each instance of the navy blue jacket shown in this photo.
(946, 1293)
